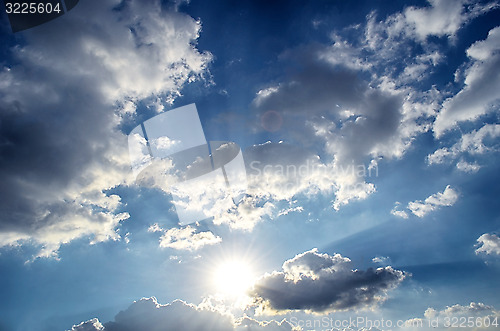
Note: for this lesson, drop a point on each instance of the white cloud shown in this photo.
(473, 309)
(90, 325)
(289, 210)
(148, 314)
(478, 313)
(472, 143)
(421, 208)
(387, 44)
(315, 282)
(164, 143)
(468, 167)
(482, 83)
(343, 53)
(488, 244)
(283, 172)
(185, 238)
(396, 211)
(381, 260)
(80, 76)
(443, 18)
(327, 92)
(360, 120)
(247, 213)
(249, 324)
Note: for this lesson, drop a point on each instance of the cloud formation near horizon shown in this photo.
(148, 314)
(482, 315)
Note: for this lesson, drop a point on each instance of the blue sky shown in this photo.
(389, 108)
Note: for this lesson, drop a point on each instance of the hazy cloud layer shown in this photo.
(317, 282)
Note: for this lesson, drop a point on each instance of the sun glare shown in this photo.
(233, 278)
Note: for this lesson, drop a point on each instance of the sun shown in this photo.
(233, 278)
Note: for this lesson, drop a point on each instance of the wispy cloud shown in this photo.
(186, 238)
(421, 208)
(482, 82)
(476, 142)
(481, 314)
(443, 18)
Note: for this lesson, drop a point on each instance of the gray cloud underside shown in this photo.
(148, 314)
(320, 282)
(76, 79)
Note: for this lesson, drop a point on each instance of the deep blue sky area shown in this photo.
(362, 183)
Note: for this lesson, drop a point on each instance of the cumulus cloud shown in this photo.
(148, 314)
(381, 116)
(362, 119)
(185, 238)
(421, 208)
(443, 18)
(250, 324)
(468, 167)
(459, 310)
(322, 94)
(473, 143)
(90, 325)
(489, 244)
(317, 282)
(388, 43)
(283, 171)
(482, 82)
(483, 316)
(383, 45)
(247, 213)
(447, 198)
(75, 80)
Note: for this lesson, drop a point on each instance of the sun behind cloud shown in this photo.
(233, 278)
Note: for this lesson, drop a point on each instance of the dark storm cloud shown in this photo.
(321, 283)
